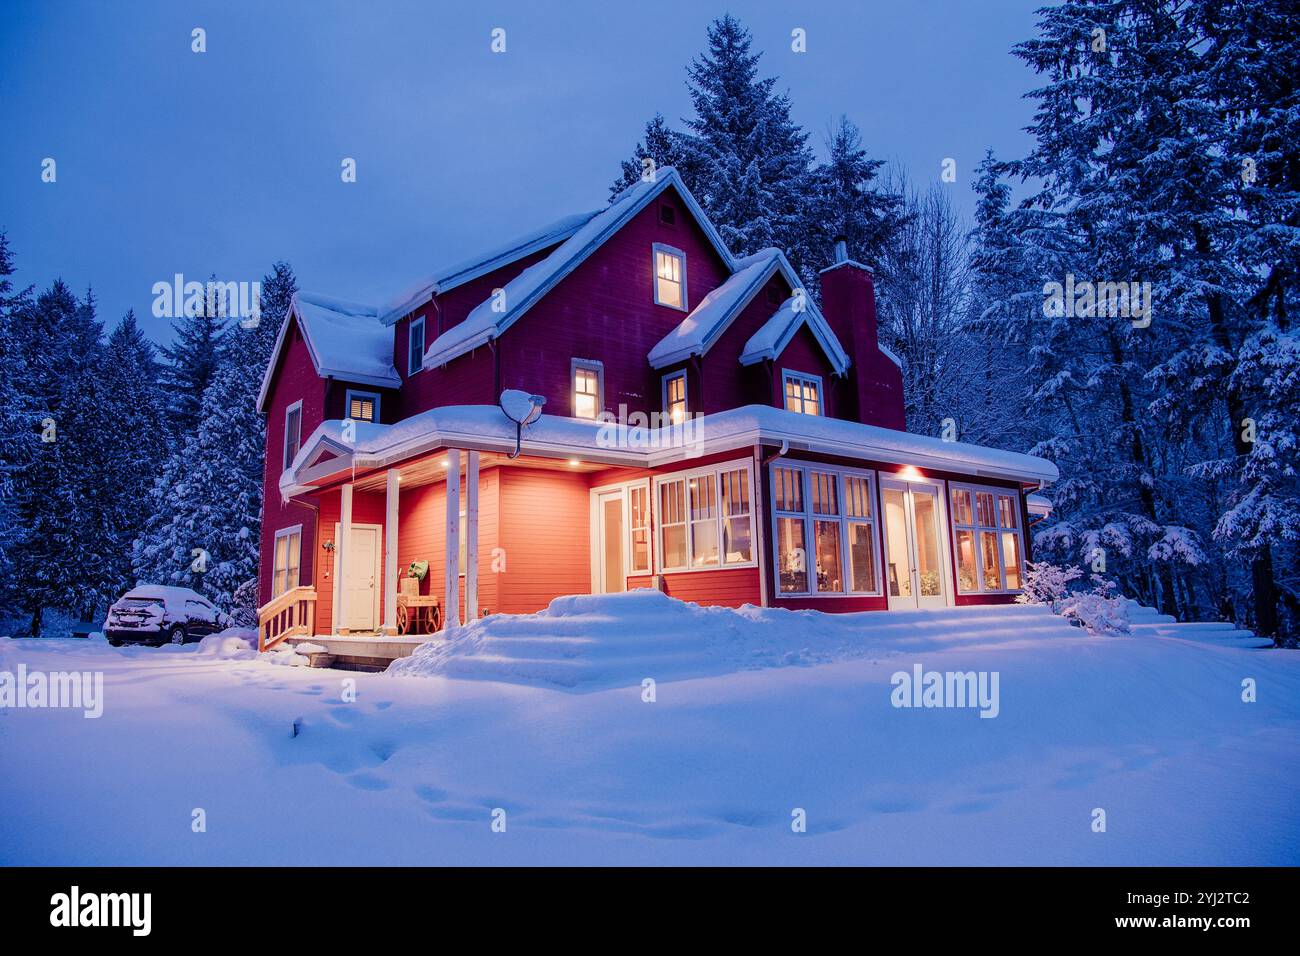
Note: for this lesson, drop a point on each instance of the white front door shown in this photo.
(915, 576)
(610, 575)
(361, 568)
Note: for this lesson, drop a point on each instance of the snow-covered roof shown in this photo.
(708, 320)
(345, 340)
(486, 427)
(1039, 505)
(521, 293)
(449, 277)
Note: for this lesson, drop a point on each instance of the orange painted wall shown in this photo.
(423, 537)
(545, 532)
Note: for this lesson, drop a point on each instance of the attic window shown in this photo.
(363, 406)
(670, 277)
(774, 295)
(292, 432)
(667, 214)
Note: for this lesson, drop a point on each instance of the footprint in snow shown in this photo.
(368, 781)
(430, 794)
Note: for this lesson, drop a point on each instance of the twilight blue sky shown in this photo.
(171, 161)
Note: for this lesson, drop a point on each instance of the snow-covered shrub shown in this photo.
(243, 604)
(1100, 610)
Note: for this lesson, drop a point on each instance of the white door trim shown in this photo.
(378, 572)
(597, 534)
(944, 543)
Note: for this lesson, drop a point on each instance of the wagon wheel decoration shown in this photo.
(403, 618)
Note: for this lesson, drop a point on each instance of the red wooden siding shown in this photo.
(605, 310)
(294, 379)
(729, 587)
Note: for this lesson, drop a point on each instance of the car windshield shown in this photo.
(141, 602)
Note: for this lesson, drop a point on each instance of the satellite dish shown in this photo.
(522, 409)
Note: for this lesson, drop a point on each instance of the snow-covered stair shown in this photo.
(611, 640)
(1148, 622)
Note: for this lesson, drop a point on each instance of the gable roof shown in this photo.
(345, 340)
(708, 320)
(521, 293)
(449, 277)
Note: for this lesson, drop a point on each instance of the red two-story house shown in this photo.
(614, 401)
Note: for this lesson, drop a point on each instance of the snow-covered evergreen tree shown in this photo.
(191, 362)
(17, 432)
(121, 420)
(205, 528)
(57, 339)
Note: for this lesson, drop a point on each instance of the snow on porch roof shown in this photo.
(486, 427)
(451, 276)
(345, 340)
(698, 331)
(522, 292)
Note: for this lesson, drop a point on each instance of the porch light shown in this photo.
(574, 462)
(911, 472)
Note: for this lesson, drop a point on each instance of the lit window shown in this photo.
(670, 276)
(288, 553)
(675, 397)
(639, 525)
(363, 406)
(826, 541)
(706, 520)
(803, 393)
(986, 530)
(586, 389)
(292, 432)
(415, 346)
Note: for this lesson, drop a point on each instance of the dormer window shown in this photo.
(667, 214)
(587, 382)
(415, 346)
(362, 406)
(670, 276)
(803, 393)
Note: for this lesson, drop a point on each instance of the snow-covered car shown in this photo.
(157, 614)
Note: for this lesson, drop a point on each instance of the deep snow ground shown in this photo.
(1151, 729)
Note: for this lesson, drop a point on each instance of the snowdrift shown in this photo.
(587, 642)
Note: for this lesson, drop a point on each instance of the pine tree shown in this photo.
(121, 416)
(17, 437)
(58, 340)
(205, 528)
(664, 147)
(191, 363)
(849, 201)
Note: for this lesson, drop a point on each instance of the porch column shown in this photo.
(390, 551)
(340, 558)
(471, 536)
(451, 605)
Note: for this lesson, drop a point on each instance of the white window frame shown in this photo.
(742, 464)
(297, 443)
(686, 401)
(412, 355)
(810, 544)
(656, 249)
(788, 375)
(275, 553)
(360, 393)
(625, 489)
(588, 365)
(979, 528)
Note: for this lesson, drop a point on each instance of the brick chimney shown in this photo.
(875, 383)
